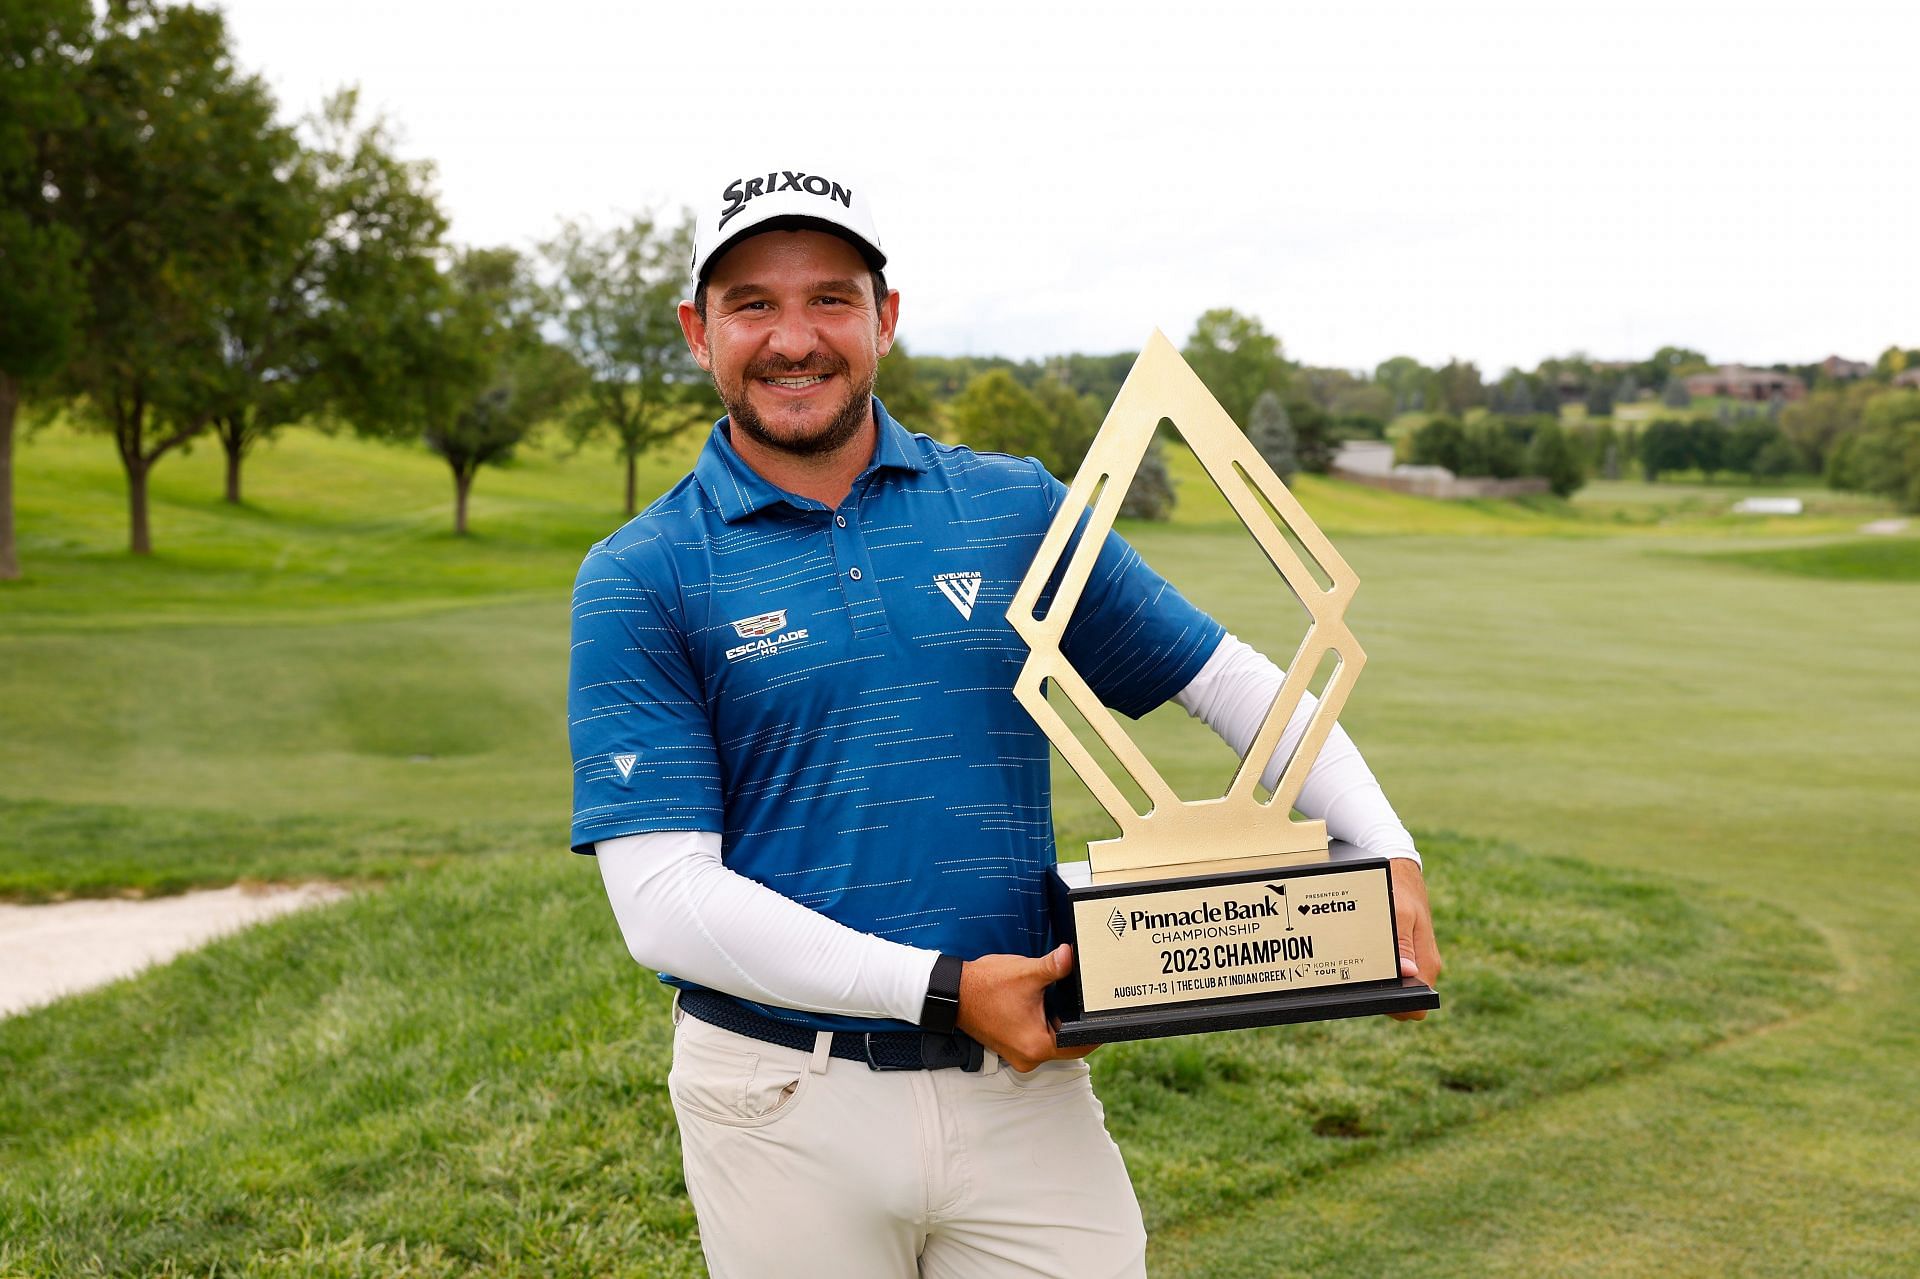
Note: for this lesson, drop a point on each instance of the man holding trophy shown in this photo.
(821, 812)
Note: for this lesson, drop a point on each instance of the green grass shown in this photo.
(1885, 559)
(464, 1062)
(58, 850)
(1678, 1029)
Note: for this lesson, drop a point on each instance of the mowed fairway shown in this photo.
(1691, 1049)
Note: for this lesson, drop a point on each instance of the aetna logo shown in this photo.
(1325, 908)
(741, 190)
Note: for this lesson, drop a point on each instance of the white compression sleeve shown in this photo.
(683, 912)
(1233, 693)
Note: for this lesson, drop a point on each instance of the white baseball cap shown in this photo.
(784, 200)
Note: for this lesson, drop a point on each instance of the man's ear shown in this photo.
(695, 330)
(889, 317)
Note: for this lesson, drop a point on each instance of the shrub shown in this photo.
(1553, 456)
(1150, 496)
(1270, 432)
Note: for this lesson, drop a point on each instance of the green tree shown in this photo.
(1599, 398)
(1553, 456)
(1744, 444)
(1493, 446)
(1363, 400)
(1817, 422)
(42, 45)
(1099, 376)
(1150, 496)
(1665, 446)
(1402, 377)
(346, 211)
(615, 294)
(1519, 396)
(1706, 445)
(1884, 455)
(1676, 395)
(382, 354)
(179, 160)
(1237, 359)
(1457, 387)
(1441, 441)
(1314, 439)
(995, 414)
(1072, 422)
(1666, 364)
(500, 377)
(899, 386)
(1271, 434)
(1895, 360)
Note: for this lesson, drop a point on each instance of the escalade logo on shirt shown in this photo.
(761, 624)
(758, 632)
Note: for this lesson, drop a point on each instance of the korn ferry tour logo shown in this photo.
(739, 191)
(759, 633)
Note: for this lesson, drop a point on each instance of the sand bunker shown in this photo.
(54, 950)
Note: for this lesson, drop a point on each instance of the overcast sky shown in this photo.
(1500, 182)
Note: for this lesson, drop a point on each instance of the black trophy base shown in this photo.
(1188, 954)
(1411, 995)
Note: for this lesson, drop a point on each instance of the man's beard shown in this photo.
(851, 417)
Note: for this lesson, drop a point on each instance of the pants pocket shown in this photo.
(726, 1078)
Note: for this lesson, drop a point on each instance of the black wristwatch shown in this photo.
(941, 1012)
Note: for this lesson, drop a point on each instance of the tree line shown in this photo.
(176, 262)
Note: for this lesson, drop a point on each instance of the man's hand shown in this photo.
(1413, 927)
(1001, 1006)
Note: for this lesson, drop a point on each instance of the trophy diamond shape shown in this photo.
(1181, 923)
(1236, 825)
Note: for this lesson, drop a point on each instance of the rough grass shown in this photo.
(1883, 559)
(56, 851)
(462, 1073)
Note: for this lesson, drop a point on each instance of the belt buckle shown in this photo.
(866, 1044)
(936, 1053)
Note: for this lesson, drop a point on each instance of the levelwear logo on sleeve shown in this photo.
(625, 764)
(961, 590)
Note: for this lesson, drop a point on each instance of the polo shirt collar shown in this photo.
(737, 490)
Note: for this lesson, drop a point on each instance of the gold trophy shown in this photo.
(1214, 914)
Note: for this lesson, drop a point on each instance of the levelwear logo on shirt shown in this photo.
(625, 764)
(961, 590)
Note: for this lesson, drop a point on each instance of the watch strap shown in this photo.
(941, 1011)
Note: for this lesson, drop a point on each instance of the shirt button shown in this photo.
(854, 573)
(841, 520)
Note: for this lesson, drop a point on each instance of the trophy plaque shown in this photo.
(1213, 914)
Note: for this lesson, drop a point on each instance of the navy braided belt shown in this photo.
(880, 1049)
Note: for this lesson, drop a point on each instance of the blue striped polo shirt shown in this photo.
(831, 689)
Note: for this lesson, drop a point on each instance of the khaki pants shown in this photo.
(803, 1164)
